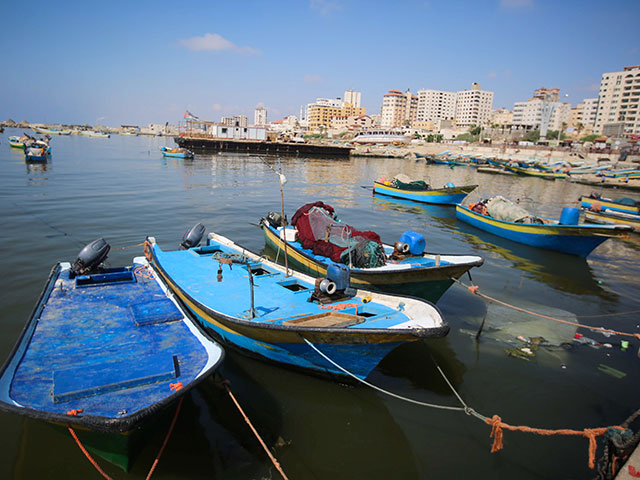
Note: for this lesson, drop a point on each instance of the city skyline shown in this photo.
(148, 62)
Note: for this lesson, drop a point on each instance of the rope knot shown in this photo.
(496, 433)
(474, 289)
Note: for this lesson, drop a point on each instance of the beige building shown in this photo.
(435, 105)
(398, 109)
(473, 107)
(501, 117)
(582, 117)
(353, 98)
(619, 102)
(351, 122)
(320, 115)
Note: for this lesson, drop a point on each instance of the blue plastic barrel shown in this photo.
(569, 216)
(449, 185)
(338, 274)
(415, 241)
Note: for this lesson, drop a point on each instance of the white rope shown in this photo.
(400, 397)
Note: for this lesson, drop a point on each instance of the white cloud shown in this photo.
(312, 78)
(214, 42)
(217, 107)
(492, 75)
(516, 3)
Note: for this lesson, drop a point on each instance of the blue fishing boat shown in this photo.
(316, 242)
(36, 150)
(104, 351)
(257, 307)
(563, 235)
(596, 202)
(421, 192)
(176, 152)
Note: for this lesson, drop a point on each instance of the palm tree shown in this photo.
(580, 127)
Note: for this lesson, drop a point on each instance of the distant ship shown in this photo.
(386, 137)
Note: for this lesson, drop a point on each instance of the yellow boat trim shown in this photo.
(524, 228)
(425, 193)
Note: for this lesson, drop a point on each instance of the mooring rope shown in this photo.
(475, 290)
(225, 383)
(496, 423)
(157, 459)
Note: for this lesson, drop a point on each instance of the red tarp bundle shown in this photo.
(323, 246)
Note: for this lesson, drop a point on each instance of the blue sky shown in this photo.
(142, 62)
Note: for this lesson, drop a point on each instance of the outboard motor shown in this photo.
(275, 219)
(335, 287)
(193, 236)
(90, 257)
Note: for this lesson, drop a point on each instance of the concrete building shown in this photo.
(260, 116)
(320, 115)
(238, 133)
(351, 122)
(305, 111)
(530, 114)
(237, 121)
(352, 97)
(435, 105)
(501, 117)
(582, 117)
(473, 106)
(549, 94)
(619, 102)
(398, 109)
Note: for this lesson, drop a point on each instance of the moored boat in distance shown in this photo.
(505, 219)
(419, 191)
(51, 131)
(610, 217)
(402, 268)
(254, 305)
(105, 350)
(596, 202)
(381, 137)
(18, 142)
(177, 152)
(37, 150)
(94, 134)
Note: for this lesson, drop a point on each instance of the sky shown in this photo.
(141, 62)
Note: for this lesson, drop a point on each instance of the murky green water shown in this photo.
(121, 188)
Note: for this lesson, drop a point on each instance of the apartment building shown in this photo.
(619, 102)
(473, 106)
(321, 115)
(353, 98)
(435, 105)
(237, 121)
(583, 116)
(260, 116)
(529, 114)
(398, 109)
(501, 117)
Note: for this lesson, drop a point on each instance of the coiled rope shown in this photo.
(496, 423)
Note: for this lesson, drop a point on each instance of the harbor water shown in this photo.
(122, 189)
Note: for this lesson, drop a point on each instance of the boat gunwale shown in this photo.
(390, 335)
(98, 423)
(430, 192)
(410, 272)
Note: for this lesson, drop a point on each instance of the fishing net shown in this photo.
(507, 211)
(320, 230)
(405, 183)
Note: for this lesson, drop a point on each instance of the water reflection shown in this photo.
(566, 273)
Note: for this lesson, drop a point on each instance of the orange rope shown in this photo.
(474, 289)
(147, 250)
(591, 433)
(87, 454)
(166, 439)
(225, 383)
(338, 306)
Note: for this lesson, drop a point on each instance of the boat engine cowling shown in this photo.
(90, 257)
(193, 236)
(275, 219)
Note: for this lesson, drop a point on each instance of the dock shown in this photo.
(202, 143)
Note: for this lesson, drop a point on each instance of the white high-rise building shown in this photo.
(529, 114)
(260, 115)
(352, 97)
(619, 102)
(473, 107)
(434, 105)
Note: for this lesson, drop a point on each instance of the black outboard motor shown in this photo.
(90, 257)
(192, 237)
(275, 219)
